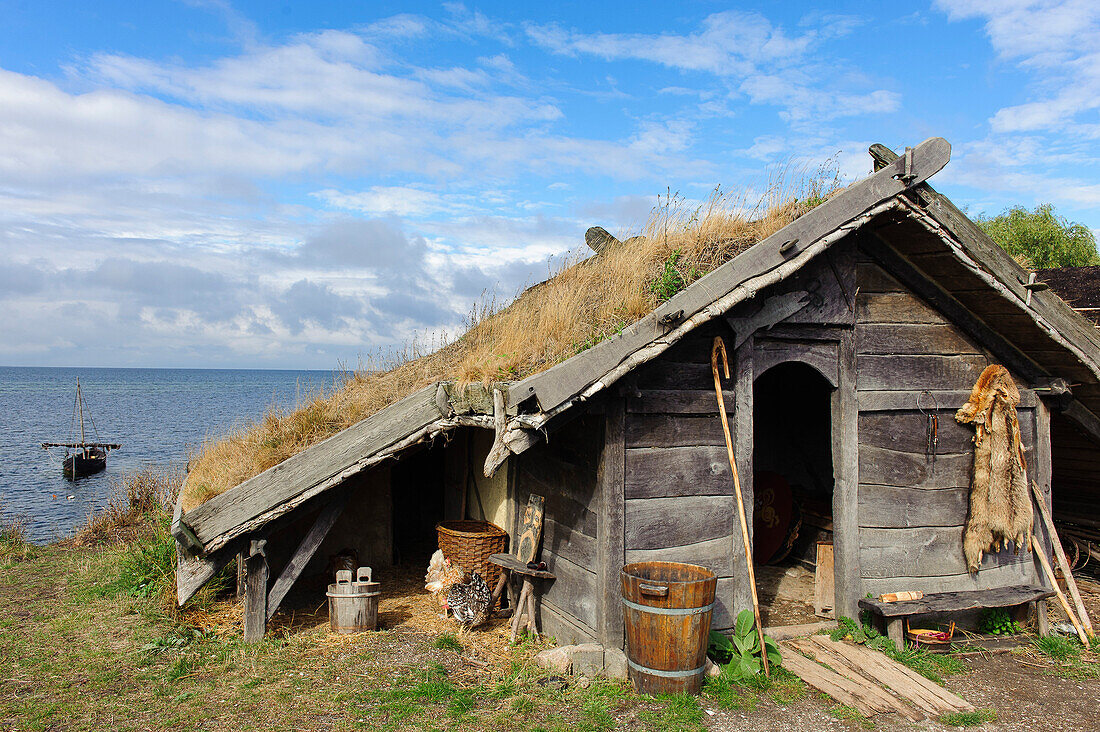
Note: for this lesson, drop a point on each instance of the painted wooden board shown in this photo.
(657, 523)
(312, 466)
(567, 379)
(678, 471)
(530, 529)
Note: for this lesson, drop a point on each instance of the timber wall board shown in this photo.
(912, 510)
(679, 504)
(563, 471)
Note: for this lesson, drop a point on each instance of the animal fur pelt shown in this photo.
(1000, 505)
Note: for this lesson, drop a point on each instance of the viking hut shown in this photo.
(851, 331)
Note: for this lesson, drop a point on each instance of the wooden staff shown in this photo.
(1063, 562)
(1038, 550)
(720, 347)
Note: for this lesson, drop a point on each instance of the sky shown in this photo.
(208, 183)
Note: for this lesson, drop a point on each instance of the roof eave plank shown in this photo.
(566, 380)
(319, 462)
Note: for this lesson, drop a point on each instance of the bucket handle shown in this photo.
(343, 576)
(363, 572)
(653, 590)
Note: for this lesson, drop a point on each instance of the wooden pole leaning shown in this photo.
(1042, 557)
(1063, 562)
(719, 347)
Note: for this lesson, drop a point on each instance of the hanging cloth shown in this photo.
(1000, 506)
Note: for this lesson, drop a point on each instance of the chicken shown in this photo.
(470, 601)
(441, 576)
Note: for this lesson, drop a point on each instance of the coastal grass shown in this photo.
(78, 654)
(583, 302)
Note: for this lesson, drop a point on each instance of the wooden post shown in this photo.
(610, 532)
(744, 375)
(1040, 554)
(242, 575)
(847, 579)
(255, 596)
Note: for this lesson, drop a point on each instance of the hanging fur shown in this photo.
(1000, 506)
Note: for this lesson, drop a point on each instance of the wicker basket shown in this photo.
(468, 544)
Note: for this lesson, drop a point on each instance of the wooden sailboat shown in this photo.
(89, 457)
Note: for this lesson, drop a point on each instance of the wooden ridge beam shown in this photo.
(570, 378)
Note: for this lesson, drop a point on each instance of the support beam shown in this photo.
(744, 368)
(847, 583)
(255, 596)
(305, 551)
(1083, 418)
(610, 549)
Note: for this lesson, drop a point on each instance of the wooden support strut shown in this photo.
(1063, 562)
(305, 551)
(1042, 557)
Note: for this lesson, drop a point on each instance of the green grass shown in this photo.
(933, 666)
(968, 719)
(448, 642)
(1059, 647)
(783, 688)
(851, 714)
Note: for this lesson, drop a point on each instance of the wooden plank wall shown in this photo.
(564, 472)
(912, 512)
(1076, 463)
(678, 490)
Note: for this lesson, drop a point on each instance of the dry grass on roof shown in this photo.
(585, 301)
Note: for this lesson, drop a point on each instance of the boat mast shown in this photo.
(80, 402)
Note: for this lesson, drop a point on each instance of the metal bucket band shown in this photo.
(668, 610)
(354, 594)
(666, 674)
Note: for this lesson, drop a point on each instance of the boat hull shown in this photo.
(85, 463)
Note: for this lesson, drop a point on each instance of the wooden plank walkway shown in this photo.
(867, 680)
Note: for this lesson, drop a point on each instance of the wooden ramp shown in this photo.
(867, 680)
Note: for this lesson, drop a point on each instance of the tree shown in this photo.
(1041, 239)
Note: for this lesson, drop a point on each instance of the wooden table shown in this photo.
(894, 614)
(513, 566)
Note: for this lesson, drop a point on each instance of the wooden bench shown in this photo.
(526, 599)
(895, 614)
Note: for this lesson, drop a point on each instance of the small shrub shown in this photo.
(741, 652)
(968, 719)
(1041, 238)
(997, 621)
(14, 545)
(669, 281)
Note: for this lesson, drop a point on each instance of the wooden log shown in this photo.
(255, 597)
(305, 551)
(610, 540)
(673, 430)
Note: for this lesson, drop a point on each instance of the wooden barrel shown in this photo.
(353, 606)
(666, 611)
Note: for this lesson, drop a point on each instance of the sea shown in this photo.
(160, 416)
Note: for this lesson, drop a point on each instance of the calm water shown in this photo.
(157, 414)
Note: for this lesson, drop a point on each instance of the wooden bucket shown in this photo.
(667, 609)
(353, 606)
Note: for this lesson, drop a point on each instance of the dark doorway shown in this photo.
(416, 484)
(792, 489)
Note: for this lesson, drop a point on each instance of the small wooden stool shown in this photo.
(512, 566)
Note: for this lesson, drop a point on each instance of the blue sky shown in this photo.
(233, 184)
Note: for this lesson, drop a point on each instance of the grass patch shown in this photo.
(933, 666)
(968, 719)
(1059, 647)
(14, 546)
(448, 642)
(783, 688)
(851, 714)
